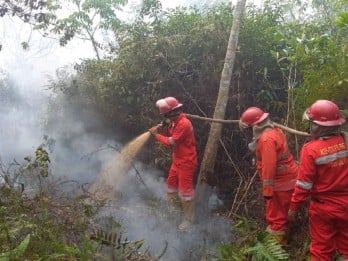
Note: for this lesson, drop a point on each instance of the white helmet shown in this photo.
(168, 104)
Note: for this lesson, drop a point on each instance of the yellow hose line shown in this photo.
(290, 130)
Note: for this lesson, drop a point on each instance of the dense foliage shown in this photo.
(43, 220)
(282, 66)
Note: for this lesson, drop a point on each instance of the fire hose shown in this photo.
(285, 128)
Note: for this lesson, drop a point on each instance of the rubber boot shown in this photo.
(173, 203)
(281, 239)
(189, 215)
(285, 239)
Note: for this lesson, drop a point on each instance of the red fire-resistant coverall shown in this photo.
(184, 157)
(323, 175)
(277, 170)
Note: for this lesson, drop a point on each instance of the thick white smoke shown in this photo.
(79, 155)
(25, 97)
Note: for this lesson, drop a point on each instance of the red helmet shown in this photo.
(168, 104)
(252, 116)
(324, 113)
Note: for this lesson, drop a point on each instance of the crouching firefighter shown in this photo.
(180, 137)
(276, 167)
(323, 176)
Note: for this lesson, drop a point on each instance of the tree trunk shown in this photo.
(208, 161)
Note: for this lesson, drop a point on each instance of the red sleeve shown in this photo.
(298, 197)
(268, 165)
(178, 134)
(305, 179)
(163, 139)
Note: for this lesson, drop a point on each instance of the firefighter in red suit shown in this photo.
(323, 176)
(276, 167)
(180, 137)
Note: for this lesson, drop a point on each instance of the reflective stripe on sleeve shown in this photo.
(304, 185)
(331, 157)
(268, 182)
(171, 141)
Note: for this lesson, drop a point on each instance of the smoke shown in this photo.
(18, 115)
(26, 101)
(31, 115)
(142, 209)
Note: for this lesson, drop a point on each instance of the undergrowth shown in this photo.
(41, 220)
(251, 244)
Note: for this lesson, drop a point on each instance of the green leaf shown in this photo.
(18, 252)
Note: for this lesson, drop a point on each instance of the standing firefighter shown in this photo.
(276, 168)
(180, 137)
(323, 175)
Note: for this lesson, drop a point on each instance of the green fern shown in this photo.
(262, 248)
(125, 247)
(18, 251)
(267, 248)
(230, 253)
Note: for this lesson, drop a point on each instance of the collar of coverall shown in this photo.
(176, 118)
(259, 128)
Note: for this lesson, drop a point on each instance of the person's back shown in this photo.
(272, 150)
(276, 168)
(323, 176)
(330, 157)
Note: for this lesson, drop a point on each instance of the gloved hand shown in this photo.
(154, 130)
(292, 216)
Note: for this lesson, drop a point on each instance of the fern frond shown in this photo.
(18, 252)
(229, 252)
(267, 249)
